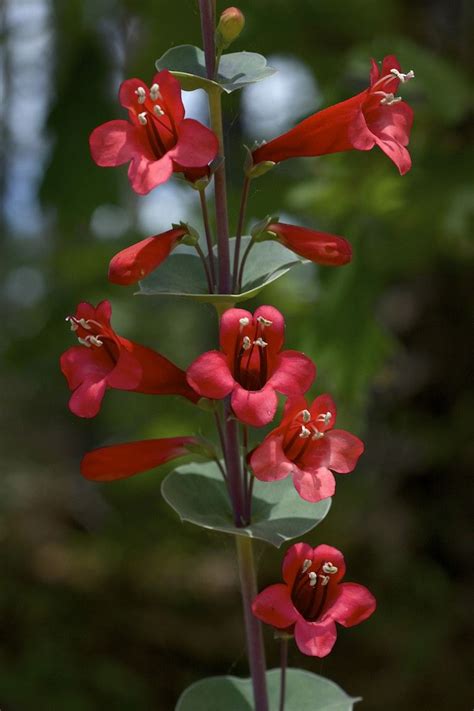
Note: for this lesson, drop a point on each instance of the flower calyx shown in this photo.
(256, 170)
(259, 231)
(190, 237)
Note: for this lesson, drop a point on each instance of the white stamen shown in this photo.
(82, 322)
(142, 118)
(95, 340)
(84, 342)
(324, 579)
(72, 323)
(390, 99)
(306, 564)
(141, 93)
(305, 415)
(313, 579)
(305, 432)
(324, 417)
(264, 321)
(317, 434)
(403, 77)
(244, 321)
(158, 111)
(329, 568)
(247, 343)
(260, 342)
(155, 92)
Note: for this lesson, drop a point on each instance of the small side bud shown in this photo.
(231, 24)
(259, 231)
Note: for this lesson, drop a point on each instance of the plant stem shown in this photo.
(207, 230)
(242, 264)
(232, 460)
(238, 234)
(283, 665)
(256, 652)
(206, 267)
(207, 10)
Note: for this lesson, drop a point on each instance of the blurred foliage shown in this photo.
(106, 600)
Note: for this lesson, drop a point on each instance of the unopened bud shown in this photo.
(231, 24)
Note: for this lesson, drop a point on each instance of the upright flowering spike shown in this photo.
(120, 461)
(319, 247)
(313, 598)
(157, 140)
(306, 446)
(373, 117)
(251, 366)
(107, 360)
(135, 262)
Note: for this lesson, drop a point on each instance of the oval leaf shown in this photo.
(236, 69)
(304, 692)
(199, 495)
(182, 274)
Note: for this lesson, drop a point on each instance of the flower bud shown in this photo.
(231, 24)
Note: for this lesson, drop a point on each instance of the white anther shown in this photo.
(158, 111)
(324, 579)
(403, 77)
(264, 321)
(329, 568)
(141, 93)
(82, 322)
(244, 321)
(317, 434)
(84, 342)
(324, 417)
(72, 323)
(95, 340)
(313, 579)
(390, 99)
(306, 564)
(142, 118)
(247, 343)
(155, 92)
(305, 432)
(305, 415)
(260, 342)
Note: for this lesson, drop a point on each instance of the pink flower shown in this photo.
(319, 247)
(135, 262)
(106, 360)
(374, 117)
(251, 366)
(157, 140)
(306, 446)
(120, 461)
(312, 598)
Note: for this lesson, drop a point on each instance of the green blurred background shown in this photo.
(106, 600)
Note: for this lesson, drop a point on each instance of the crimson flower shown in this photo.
(251, 366)
(120, 461)
(157, 140)
(375, 116)
(106, 360)
(135, 262)
(319, 247)
(312, 598)
(306, 446)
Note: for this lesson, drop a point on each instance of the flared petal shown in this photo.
(315, 639)
(274, 607)
(135, 262)
(254, 407)
(328, 554)
(359, 133)
(344, 450)
(293, 561)
(319, 247)
(128, 93)
(210, 376)
(114, 143)
(145, 174)
(273, 334)
(196, 146)
(232, 329)
(268, 460)
(294, 373)
(397, 153)
(170, 90)
(87, 398)
(124, 460)
(314, 484)
(127, 374)
(79, 363)
(324, 405)
(353, 604)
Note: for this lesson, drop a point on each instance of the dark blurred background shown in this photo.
(106, 600)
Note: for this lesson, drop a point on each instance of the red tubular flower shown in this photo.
(312, 598)
(106, 360)
(306, 446)
(251, 367)
(120, 461)
(319, 247)
(135, 262)
(374, 117)
(158, 140)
